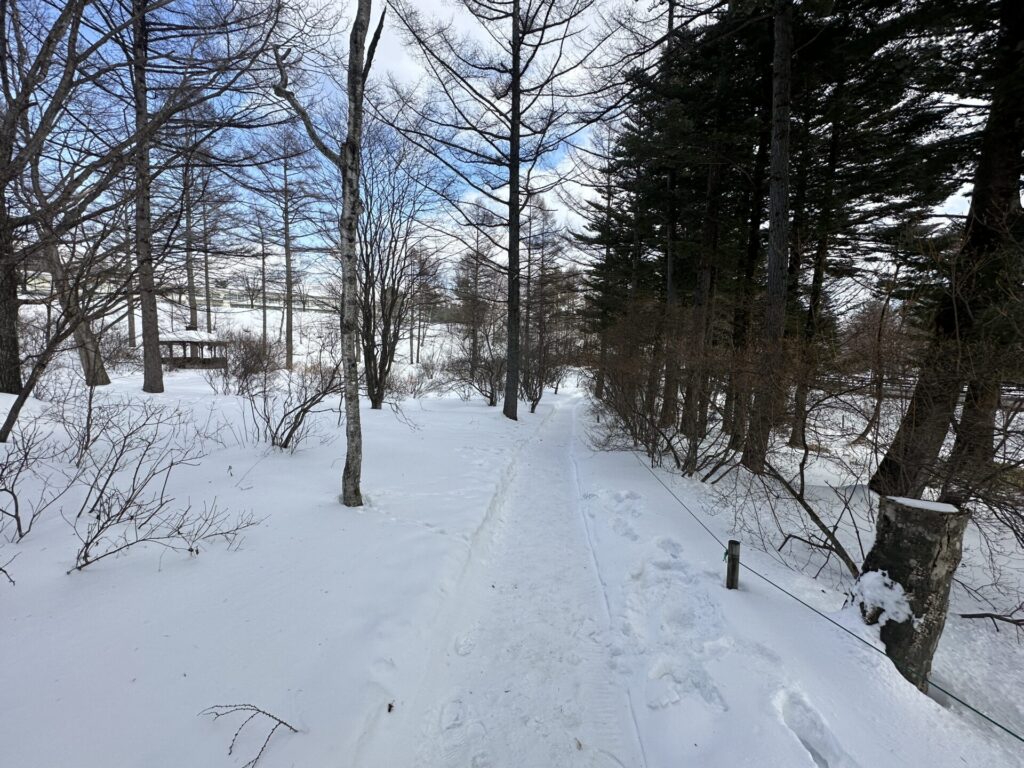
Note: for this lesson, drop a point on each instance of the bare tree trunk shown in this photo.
(153, 375)
(697, 386)
(771, 391)
(289, 279)
(602, 364)
(206, 270)
(526, 363)
(88, 347)
(10, 353)
(807, 369)
(973, 455)
(739, 378)
(357, 71)
(673, 319)
(878, 371)
(511, 406)
(412, 336)
(130, 307)
(474, 342)
(348, 164)
(190, 268)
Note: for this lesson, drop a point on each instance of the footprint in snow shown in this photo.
(451, 715)
(670, 547)
(624, 529)
(458, 737)
(667, 685)
(464, 645)
(626, 496)
(811, 730)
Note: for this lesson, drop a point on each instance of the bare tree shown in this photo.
(346, 160)
(89, 272)
(498, 110)
(283, 179)
(478, 361)
(393, 246)
(208, 53)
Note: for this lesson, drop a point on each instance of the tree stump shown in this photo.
(919, 545)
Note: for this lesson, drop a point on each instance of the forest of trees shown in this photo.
(743, 222)
(773, 243)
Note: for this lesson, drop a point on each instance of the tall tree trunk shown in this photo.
(740, 377)
(289, 277)
(190, 267)
(153, 374)
(673, 313)
(421, 332)
(971, 462)
(526, 363)
(985, 265)
(772, 387)
(673, 319)
(351, 493)
(807, 367)
(130, 309)
(695, 407)
(349, 166)
(800, 162)
(510, 408)
(263, 286)
(206, 268)
(602, 364)
(10, 352)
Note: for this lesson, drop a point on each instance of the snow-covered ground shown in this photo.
(507, 597)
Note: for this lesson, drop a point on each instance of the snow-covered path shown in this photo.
(590, 627)
(519, 674)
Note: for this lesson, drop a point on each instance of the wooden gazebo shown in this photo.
(193, 349)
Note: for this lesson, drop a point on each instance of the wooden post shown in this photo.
(918, 546)
(732, 568)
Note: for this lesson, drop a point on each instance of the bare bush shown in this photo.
(281, 402)
(412, 384)
(123, 482)
(250, 361)
(117, 351)
(29, 457)
(431, 363)
(631, 387)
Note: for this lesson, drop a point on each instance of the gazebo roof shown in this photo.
(190, 337)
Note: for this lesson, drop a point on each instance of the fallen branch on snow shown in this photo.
(218, 711)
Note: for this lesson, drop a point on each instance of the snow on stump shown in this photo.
(905, 582)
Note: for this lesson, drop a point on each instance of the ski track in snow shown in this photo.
(520, 675)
